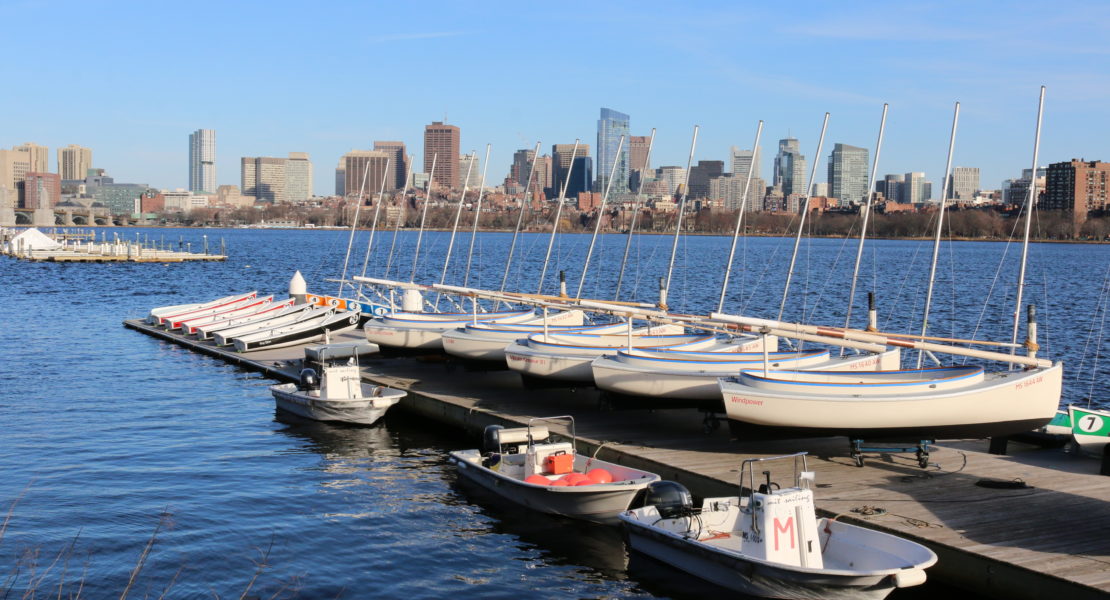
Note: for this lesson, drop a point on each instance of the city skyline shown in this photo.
(991, 56)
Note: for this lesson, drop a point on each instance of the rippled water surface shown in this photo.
(111, 437)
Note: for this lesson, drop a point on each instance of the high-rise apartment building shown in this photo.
(611, 127)
(365, 170)
(1078, 186)
(470, 171)
(74, 162)
(37, 156)
(963, 183)
(442, 140)
(562, 157)
(913, 189)
(790, 168)
(298, 177)
(398, 164)
(202, 161)
(848, 174)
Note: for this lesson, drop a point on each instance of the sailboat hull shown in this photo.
(996, 404)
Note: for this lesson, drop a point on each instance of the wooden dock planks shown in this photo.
(1045, 540)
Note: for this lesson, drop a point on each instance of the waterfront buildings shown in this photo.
(202, 160)
(276, 180)
(848, 173)
(441, 140)
(672, 177)
(37, 156)
(963, 184)
(610, 128)
(371, 165)
(74, 162)
(341, 177)
(42, 190)
(298, 177)
(1076, 186)
(913, 188)
(14, 166)
(790, 167)
(398, 164)
(581, 177)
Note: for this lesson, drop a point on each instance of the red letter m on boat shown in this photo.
(787, 527)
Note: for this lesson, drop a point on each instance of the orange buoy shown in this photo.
(574, 478)
(586, 481)
(600, 475)
(559, 483)
(537, 479)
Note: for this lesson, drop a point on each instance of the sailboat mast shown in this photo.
(477, 217)
(1028, 219)
(374, 224)
(805, 211)
(354, 224)
(558, 213)
(600, 212)
(635, 214)
(401, 217)
(424, 216)
(520, 217)
(455, 227)
(740, 216)
(940, 228)
(866, 216)
(678, 224)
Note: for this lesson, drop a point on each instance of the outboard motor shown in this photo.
(491, 439)
(309, 379)
(670, 498)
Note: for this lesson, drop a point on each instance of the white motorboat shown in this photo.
(769, 542)
(567, 356)
(693, 375)
(158, 314)
(298, 333)
(932, 403)
(520, 465)
(188, 326)
(338, 392)
(275, 310)
(424, 330)
(487, 341)
(297, 314)
(1090, 429)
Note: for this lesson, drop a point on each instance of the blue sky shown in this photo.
(132, 80)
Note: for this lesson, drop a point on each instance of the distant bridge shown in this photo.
(66, 216)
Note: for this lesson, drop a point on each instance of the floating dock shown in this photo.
(1032, 524)
(108, 252)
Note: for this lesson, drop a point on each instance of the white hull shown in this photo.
(157, 314)
(1090, 429)
(224, 337)
(487, 342)
(854, 550)
(424, 331)
(696, 379)
(991, 404)
(190, 326)
(172, 322)
(567, 357)
(300, 333)
(274, 311)
(361, 411)
(599, 502)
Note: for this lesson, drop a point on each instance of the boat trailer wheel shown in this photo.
(920, 450)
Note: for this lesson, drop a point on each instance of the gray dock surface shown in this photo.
(1050, 539)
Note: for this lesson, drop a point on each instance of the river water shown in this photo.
(112, 438)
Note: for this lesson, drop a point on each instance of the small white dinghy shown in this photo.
(550, 477)
(768, 541)
(338, 393)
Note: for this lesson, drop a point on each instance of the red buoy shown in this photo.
(559, 483)
(537, 479)
(585, 481)
(600, 475)
(574, 478)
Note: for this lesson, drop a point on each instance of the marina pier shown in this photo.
(1031, 524)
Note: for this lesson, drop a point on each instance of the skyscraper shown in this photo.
(913, 188)
(441, 140)
(848, 173)
(202, 161)
(562, 157)
(398, 164)
(522, 166)
(610, 127)
(264, 178)
(370, 164)
(298, 177)
(37, 156)
(891, 187)
(701, 173)
(963, 183)
(790, 168)
(74, 162)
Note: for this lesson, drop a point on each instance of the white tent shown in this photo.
(33, 239)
